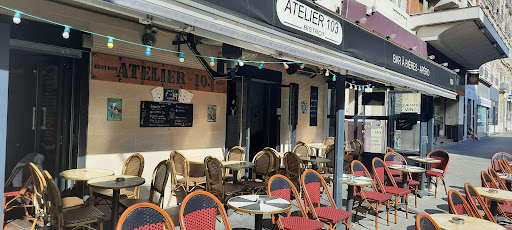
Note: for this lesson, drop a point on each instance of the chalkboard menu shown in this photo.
(313, 106)
(165, 114)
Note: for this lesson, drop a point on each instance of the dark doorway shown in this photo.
(39, 114)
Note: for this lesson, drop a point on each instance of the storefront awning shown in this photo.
(224, 25)
(464, 35)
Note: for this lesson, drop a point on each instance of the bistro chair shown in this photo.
(312, 184)
(144, 216)
(133, 166)
(475, 201)
(504, 208)
(302, 149)
(236, 153)
(74, 218)
(328, 141)
(389, 150)
(68, 203)
(500, 156)
(487, 180)
(328, 168)
(18, 197)
(214, 180)
(199, 212)
(39, 190)
(181, 168)
(157, 189)
(505, 166)
(438, 170)
(357, 146)
(393, 158)
(380, 173)
(276, 166)
(425, 222)
(282, 187)
(501, 184)
(458, 205)
(294, 167)
(367, 196)
(263, 163)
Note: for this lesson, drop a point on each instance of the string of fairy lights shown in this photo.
(110, 44)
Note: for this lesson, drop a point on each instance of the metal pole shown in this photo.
(339, 146)
(4, 95)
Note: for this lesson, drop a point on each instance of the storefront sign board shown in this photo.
(484, 102)
(107, 67)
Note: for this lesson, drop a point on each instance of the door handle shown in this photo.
(33, 118)
(44, 109)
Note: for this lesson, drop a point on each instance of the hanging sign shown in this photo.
(171, 94)
(300, 16)
(133, 71)
(313, 106)
(509, 97)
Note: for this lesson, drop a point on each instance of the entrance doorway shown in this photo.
(40, 110)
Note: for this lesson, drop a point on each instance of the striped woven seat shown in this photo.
(86, 214)
(72, 202)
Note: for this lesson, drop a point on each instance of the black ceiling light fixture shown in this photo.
(149, 37)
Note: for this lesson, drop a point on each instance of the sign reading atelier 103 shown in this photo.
(299, 16)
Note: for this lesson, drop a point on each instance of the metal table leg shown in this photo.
(494, 208)
(258, 221)
(115, 208)
(421, 191)
(235, 176)
(350, 199)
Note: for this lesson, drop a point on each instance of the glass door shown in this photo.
(404, 127)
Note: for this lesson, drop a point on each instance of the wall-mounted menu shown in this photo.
(165, 114)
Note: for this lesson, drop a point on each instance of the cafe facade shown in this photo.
(97, 105)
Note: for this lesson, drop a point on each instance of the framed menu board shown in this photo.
(166, 114)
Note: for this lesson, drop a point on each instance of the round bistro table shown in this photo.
(507, 177)
(494, 197)
(84, 174)
(236, 166)
(406, 169)
(109, 182)
(259, 205)
(317, 148)
(470, 223)
(423, 162)
(315, 161)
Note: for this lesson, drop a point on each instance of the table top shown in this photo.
(237, 164)
(407, 168)
(500, 195)
(109, 182)
(505, 176)
(318, 146)
(259, 204)
(85, 174)
(424, 159)
(315, 160)
(470, 223)
(356, 180)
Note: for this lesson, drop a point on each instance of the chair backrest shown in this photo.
(487, 180)
(144, 216)
(497, 179)
(159, 181)
(458, 204)
(277, 160)
(475, 201)
(134, 165)
(282, 187)
(39, 186)
(425, 222)
(329, 154)
(214, 172)
(440, 155)
(328, 141)
(236, 153)
(302, 149)
(500, 156)
(357, 146)
(198, 211)
(312, 185)
(179, 164)
(389, 150)
(505, 166)
(292, 164)
(393, 158)
(263, 164)
(382, 174)
(53, 202)
(359, 169)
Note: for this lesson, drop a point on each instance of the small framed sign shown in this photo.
(171, 94)
(114, 109)
(212, 113)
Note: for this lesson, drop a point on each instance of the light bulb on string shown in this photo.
(302, 66)
(285, 65)
(17, 17)
(240, 63)
(260, 66)
(327, 72)
(356, 88)
(148, 51)
(362, 88)
(66, 32)
(351, 87)
(110, 43)
(321, 68)
(334, 77)
(182, 57)
(346, 84)
(212, 61)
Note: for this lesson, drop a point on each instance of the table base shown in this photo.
(115, 208)
(258, 221)
(494, 208)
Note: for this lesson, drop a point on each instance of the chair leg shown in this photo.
(437, 181)
(387, 210)
(444, 184)
(416, 197)
(3, 212)
(396, 208)
(377, 216)
(406, 206)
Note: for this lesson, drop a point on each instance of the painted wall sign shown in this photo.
(133, 71)
(313, 106)
(410, 64)
(300, 16)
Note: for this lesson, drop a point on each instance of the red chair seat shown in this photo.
(397, 191)
(395, 172)
(300, 223)
(334, 215)
(377, 196)
(433, 173)
(506, 208)
(410, 181)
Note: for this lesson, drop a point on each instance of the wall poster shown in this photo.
(313, 106)
(212, 113)
(114, 109)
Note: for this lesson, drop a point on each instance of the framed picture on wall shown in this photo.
(114, 109)
(212, 113)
